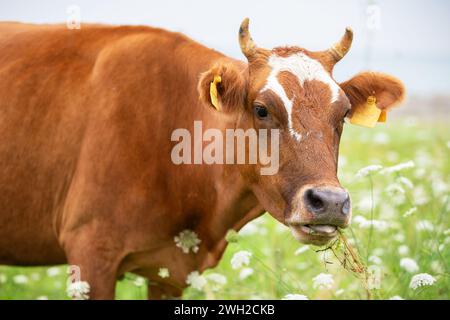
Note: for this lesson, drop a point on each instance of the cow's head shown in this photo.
(292, 89)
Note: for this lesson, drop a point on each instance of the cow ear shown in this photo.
(223, 87)
(371, 95)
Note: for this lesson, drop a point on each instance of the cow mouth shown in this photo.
(316, 234)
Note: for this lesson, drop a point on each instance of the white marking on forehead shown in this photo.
(305, 69)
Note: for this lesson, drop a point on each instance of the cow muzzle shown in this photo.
(319, 213)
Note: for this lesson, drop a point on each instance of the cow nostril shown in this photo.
(314, 201)
(346, 206)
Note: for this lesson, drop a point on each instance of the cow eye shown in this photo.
(260, 111)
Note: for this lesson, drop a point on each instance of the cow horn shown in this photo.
(340, 49)
(248, 47)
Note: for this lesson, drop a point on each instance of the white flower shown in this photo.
(42, 298)
(294, 296)
(217, 280)
(363, 223)
(53, 271)
(410, 212)
(406, 182)
(399, 167)
(399, 237)
(409, 265)
(375, 260)
(396, 298)
(195, 280)
(3, 278)
(301, 250)
(339, 292)
(240, 259)
(20, 279)
(363, 172)
(421, 279)
(424, 225)
(403, 250)
(187, 240)
(323, 281)
(78, 290)
(245, 273)
(381, 138)
(163, 273)
(139, 281)
(395, 189)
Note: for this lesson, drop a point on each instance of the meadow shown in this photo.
(398, 175)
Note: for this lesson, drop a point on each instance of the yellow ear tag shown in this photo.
(367, 114)
(213, 91)
(383, 116)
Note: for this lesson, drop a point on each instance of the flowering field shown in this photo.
(399, 178)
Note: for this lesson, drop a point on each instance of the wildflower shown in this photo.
(53, 271)
(3, 278)
(396, 298)
(323, 281)
(163, 273)
(398, 167)
(294, 296)
(78, 290)
(139, 281)
(403, 250)
(421, 279)
(240, 259)
(406, 182)
(409, 265)
(20, 279)
(187, 240)
(424, 225)
(375, 260)
(339, 292)
(364, 172)
(395, 189)
(447, 232)
(301, 250)
(245, 273)
(217, 280)
(399, 237)
(410, 212)
(363, 223)
(195, 280)
(42, 298)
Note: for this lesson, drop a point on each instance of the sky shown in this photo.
(409, 39)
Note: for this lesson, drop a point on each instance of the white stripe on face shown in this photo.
(305, 69)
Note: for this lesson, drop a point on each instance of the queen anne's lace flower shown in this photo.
(301, 250)
(424, 225)
(410, 212)
(399, 167)
(421, 279)
(245, 273)
(20, 279)
(187, 240)
(294, 296)
(195, 280)
(323, 281)
(396, 298)
(363, 172)
(409, 265)
(216, 281)
(163, 273)
(78, 290)
(240, 259)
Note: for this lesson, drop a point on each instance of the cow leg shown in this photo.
(97, 262)
(163, 292)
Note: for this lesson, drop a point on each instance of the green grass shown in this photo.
(279, 271)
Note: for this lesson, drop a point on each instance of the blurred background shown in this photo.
(409, 39)
(397, 173)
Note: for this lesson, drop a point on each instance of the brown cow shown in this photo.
(86, 118)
